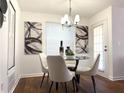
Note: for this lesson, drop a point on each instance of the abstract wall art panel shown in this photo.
(81, 39)
(33, 37)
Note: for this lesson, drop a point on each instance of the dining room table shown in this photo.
(73, 62)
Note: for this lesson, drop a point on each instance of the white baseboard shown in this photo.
(31, 75)
(16, 83)
(116, 78)
(4, 84)
(24, 76)
(111, 78)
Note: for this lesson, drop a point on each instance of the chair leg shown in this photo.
(57, 84)
(65, 87)
(48, 77)
(78, 78)
(94, 84)
(61, 84)
(42, 80)
(76, 84)
(73, 81)
(50, 87)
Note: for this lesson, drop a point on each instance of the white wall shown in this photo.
(30, 64)
(104, 15)
(3, 57)
(18, 26)
(118, 42)
(4, 73)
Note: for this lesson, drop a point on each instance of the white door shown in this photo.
(100, 46)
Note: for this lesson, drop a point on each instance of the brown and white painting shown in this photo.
(81, 39)
(33, 37)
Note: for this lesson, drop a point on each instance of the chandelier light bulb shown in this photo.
(77, 19)
(62, 21)
(66, 18)
(69, 23)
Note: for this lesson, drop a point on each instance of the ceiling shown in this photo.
(85, 8)
(118, 3)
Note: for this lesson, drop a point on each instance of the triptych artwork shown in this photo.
(33, 38)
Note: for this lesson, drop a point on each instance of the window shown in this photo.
(55, 33)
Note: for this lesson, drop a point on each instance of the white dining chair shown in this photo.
(58, 72)
(44, 67)
(90, 71)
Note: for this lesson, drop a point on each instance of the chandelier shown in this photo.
(67, 19)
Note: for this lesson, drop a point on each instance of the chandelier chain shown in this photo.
(70, 9)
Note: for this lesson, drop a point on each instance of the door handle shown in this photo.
(105, 50)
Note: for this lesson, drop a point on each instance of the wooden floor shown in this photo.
(32, 85)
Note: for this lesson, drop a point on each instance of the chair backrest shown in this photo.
(58, 71)
(95, 66)
(43, 61)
